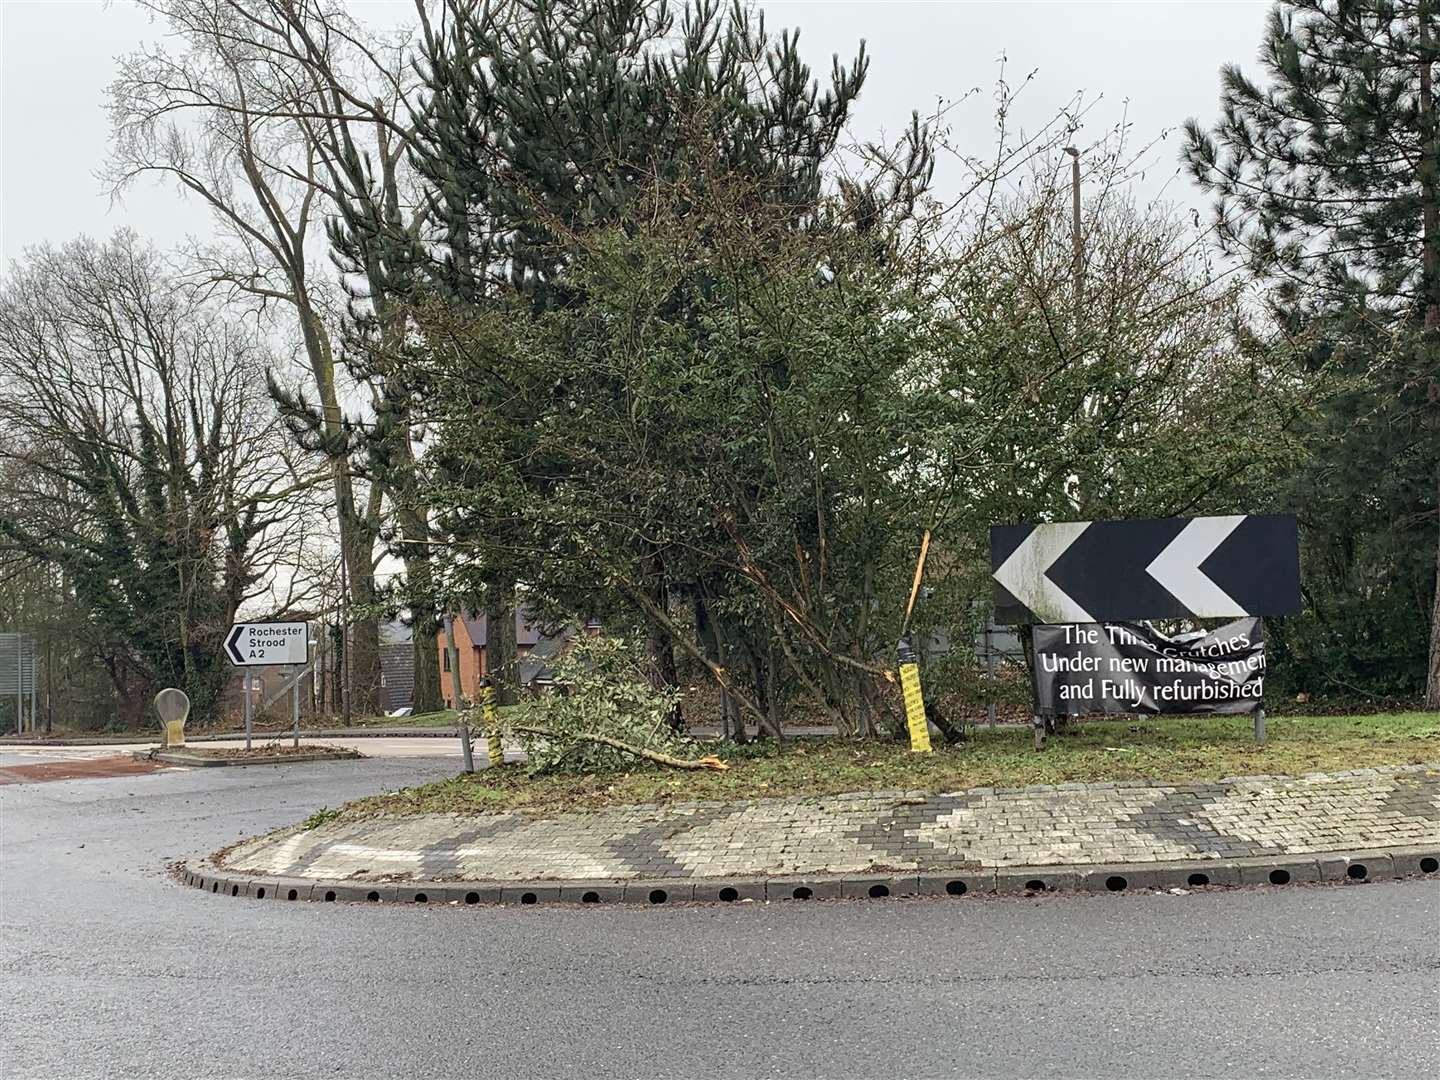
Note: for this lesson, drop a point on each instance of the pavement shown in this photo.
(108, 968)
(344, 734)
(388, 746)
(1068, 825)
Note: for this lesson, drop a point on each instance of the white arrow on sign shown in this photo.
(1177, 567)
(1023, 573)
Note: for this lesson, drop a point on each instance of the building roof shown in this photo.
(525, 633)
(394, 632)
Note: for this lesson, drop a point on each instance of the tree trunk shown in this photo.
(732, 718)
(767, 694)
(1429, 173)
(500, 649)
(664, 675)
(424, 625)
(364, 659)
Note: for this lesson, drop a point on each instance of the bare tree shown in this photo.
(143, 461)
(278, 116)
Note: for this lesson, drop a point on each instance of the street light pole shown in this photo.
(1076, 241)
(344, 638)
(452, 652)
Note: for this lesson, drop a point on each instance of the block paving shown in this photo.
(1065, 824)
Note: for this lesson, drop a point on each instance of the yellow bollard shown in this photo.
(492, 724)
(914, 708)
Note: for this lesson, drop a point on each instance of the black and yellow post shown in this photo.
(915, 718)
(910, 692)
(494, 746)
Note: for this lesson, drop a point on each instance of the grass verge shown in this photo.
(1161, 749)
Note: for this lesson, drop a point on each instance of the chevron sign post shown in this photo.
(1150, 568)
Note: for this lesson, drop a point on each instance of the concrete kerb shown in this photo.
(169, 757)
(1343, 867)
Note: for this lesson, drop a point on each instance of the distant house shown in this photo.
(397, 666)
(471, 639)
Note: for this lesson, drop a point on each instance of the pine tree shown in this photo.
(546, 119)
(1327, 180)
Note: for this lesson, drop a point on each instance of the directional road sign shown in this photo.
(1152, 568)
(262, 643)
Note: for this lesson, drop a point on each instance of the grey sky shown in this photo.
(1155, 62)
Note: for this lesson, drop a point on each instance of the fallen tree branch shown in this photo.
(709, 761)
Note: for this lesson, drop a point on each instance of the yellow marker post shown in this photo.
(492, 724)
(915, 708)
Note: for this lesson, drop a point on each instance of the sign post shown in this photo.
(1084, 582)
(268, 644)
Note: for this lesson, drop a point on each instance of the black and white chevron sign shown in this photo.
(1151, 568)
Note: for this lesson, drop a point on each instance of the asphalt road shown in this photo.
(108, 969)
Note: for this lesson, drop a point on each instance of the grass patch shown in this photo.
(1160, 749)
(319, 817)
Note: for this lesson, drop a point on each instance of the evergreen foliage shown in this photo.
(1325, 180)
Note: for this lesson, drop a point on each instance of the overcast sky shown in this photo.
(1155, 62)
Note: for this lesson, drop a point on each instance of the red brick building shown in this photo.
(470, 639)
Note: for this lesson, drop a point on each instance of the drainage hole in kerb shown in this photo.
(956, 888)
(329, 895)
(259, 894)
(292, 894)
(1035, 885)
(372, 896)
(214, 886)
(1196, 880)
(1116, 883)
(591, 897)
(528, 898)
(421, 898)
(1429, 865)
(1279, 877)
(658, 896)
(1356, 871)
(472, 897)
(729, 895)
(234, 890)
(802, 893)
(877, 891)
